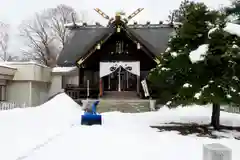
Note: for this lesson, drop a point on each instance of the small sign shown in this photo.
(145, 88)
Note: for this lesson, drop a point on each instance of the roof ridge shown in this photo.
(154, 26)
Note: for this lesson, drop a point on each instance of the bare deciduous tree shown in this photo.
(4, 38)
(59, 16)
(46, 34)
(39, 37)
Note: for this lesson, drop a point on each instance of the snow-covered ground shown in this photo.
(53, 131)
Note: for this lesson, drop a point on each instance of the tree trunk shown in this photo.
(215, 121)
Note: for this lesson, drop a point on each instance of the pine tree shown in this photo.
(213, 79)
(175, 67)
(221, 69)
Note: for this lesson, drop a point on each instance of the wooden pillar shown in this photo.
(109, 81)
(119, 79)
(100, 87)
(138, 85)
(127, 79)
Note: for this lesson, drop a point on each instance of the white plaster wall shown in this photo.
(42, 73)
(18, 92)
(39, 93)
(31, 72)
(72, 79)
(56, 85)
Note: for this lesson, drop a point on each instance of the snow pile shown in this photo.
(188, 114)
(24, 129)
(232, 29)
(61, 108)
(131, 134)
(63, 69)
(199, 53)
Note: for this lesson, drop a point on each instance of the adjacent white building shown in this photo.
(31, 83)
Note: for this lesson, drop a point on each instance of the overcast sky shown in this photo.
(14, 11)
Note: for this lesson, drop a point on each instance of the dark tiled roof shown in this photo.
(80, 42)
(155, 38)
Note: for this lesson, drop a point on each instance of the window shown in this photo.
(119, 47)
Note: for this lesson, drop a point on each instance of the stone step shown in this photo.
(120, 95)
(126, 106)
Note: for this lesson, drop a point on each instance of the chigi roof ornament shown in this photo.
(118, 15)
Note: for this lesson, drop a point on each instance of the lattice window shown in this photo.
(119, 47)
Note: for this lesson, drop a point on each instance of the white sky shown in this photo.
(14, 11)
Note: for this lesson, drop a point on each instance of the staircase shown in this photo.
(123, 105)
(120, 95)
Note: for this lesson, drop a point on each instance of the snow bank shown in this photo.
(131, 134)
(63, 69)
(62, 108)
(188, 114)
(23, 129)
(232, 29)
(199, 53)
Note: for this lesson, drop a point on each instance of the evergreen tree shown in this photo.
(234, 9)
(220, 69)
(214, 78)
(175, 65)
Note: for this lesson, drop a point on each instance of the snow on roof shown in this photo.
(72, 24)
(63, 69)
(199, 53)
(25, 63)
(232, 29)
(2, 64)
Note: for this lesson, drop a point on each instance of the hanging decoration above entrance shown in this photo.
(107, 68)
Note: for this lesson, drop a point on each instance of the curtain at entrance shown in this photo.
(107, 68)
(132, 67)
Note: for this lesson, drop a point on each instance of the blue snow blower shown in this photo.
(90, 116)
